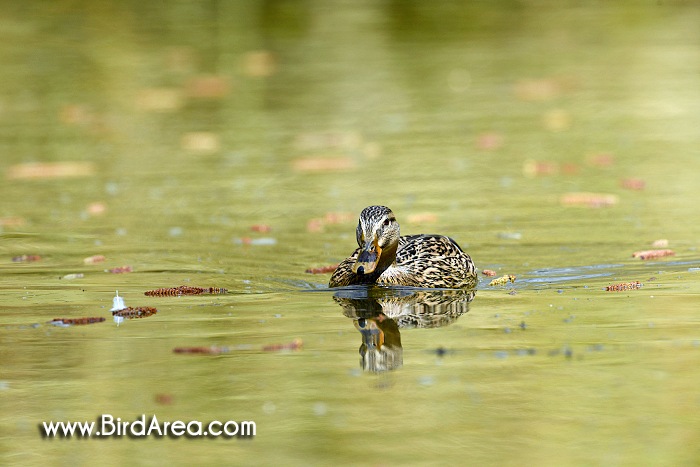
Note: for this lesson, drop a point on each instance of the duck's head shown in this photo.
(378, 237)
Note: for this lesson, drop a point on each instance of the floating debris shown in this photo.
(264, 241)
(259, 64)
(323, 164)
(533, 168)
(261, 228)
(422, 218)
(317, 224)
(537, 89)
(77, 275)
(488, 272)
(557, 120)
(591, 200)
(96, 208)
(503, 280)
(489, 141)
(201, 142)
(651, 254)
(133, 313)
(12, 221)
(185, 290)
(64, 322)
(94, 259)
(213, 350)
(160, 100)
(322, 269)
(510, 235)
(602, 160)
(338, 217)
(343, 140)
(120, 270)
(296, 344)
(208, 87)
(26, 258)
(164, 399)
(624, 286)
(47, 170)
(632, 184)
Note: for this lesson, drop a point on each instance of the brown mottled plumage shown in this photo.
(384, 257)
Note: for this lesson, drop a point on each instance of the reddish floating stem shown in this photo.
(213, 350)
(649, 254)
(185, 290)
(624, 286)
(137, 312)
(76, 321)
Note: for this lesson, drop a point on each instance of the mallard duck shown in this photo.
(384, 257)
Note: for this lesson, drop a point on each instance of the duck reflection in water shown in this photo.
(379, 313)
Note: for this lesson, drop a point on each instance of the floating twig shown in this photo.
(76, 321)
(488, 272)
(135, 312)
(651, 254)
(185, 290)
(213, 350)
(624, 286)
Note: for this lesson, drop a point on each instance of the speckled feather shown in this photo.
(430, 261)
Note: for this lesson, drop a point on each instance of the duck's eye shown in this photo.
(387, 222)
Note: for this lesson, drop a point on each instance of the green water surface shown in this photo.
(191, 126)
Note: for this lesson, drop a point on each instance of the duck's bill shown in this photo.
(367, 260)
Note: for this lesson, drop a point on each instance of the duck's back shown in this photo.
(430, 261)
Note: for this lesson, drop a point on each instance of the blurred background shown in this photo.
(233, 144)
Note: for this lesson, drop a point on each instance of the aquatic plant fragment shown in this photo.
(503, 280)
(651, 254)
(64, 322)
(624, 286)
(185, 290)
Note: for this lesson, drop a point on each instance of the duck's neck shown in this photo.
(387, 259)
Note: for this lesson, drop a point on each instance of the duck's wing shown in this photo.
(432, 261)
(343, 275)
